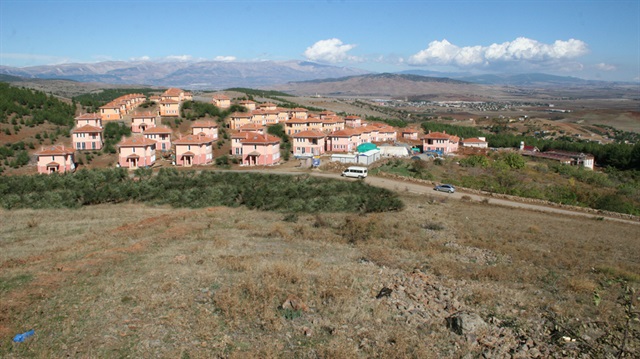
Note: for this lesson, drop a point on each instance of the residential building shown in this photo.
(239, 119)
(140, 122)
(111, 112)
(169, 108)
(55, 159)
(162, 136)
(221, 101)
(91, 119)
(353, 121)
(479, 142)
(248, 104)
(307, 143)
(205, 128)
(440, 142)
(193, 150)
(136, 151)
(87, 137)
(260, 150)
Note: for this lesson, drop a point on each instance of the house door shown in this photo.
(187, 161)
(133, 162)
(143, 127)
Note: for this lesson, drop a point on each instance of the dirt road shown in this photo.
(401, 186)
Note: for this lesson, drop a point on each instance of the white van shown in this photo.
(355, 171)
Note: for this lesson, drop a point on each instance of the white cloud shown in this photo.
(605, 67)
(521, 49)
(225, 58)
(330, 50)
(141, 58)
(182, 58)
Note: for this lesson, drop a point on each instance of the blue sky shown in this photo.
(597, 39)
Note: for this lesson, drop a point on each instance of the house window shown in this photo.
(133, 149)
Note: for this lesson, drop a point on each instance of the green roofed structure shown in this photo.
(367, 147)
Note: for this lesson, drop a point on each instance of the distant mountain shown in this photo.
(189, 75)
(389, 85)
(532, 79)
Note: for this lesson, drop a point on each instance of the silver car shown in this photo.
(445, 188)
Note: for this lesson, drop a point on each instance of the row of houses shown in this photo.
(116, 109)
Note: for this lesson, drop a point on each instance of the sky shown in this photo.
(596, 39)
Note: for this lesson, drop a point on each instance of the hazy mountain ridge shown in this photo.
(191, 75)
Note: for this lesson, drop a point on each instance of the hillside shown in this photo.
(391, 85)
(442, 278)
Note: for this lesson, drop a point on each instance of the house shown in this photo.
(565, 157)
(221, 101)
(239, 119)
(299, 112)
(295, 125)
(332, 123)
(169, 108)
(252, 128)
(162, 136)
(260, 150)
(307, 143)
(205, 128)
(193, 150)
(410, 134)
(479, 142)
(174, 94)
(55, 159)
(92, 119)
(267, 106)
(87, 137)
(110, 112)
(346, 140)
(440, 142)
(140, 122)
(248, 104)
(155, 99)
(353, 121)
(136, 151)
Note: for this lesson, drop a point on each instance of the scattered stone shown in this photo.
(384, 292)
(465, 323)
(295, 303)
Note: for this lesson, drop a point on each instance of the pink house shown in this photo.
(353, 121)
(239, 119)
(92, 119)
(346, 140)
(260, 150)
(299, 112)
(309, 143)
(440, 142)
(205, 128)
(295, 125)
(162, 136)
(87, 137)
(194, 150)
(140, 122)
(54, 159)
(137, 151)
(236, 142)
(252, 128)
(174, 94)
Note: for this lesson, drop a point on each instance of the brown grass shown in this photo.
(138, 281)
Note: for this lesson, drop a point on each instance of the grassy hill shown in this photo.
(439, 278)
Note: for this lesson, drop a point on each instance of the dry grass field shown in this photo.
(441, 278)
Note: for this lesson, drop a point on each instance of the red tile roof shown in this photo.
(203, 123)
(314, 134)
(193, 140)
(86, 128)
(89, 116)
(55, 150)
(136, 141)
(158, 130)
(256, 138)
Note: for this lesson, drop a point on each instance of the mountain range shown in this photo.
(215, 75)
(204, 75)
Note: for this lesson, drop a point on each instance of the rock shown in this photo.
(465, 323)
(295, 303)
(384, 292)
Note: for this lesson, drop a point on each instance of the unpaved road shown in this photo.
(402, 186)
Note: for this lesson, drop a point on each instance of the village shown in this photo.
(345, 139)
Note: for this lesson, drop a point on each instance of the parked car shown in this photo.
(445, 188)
